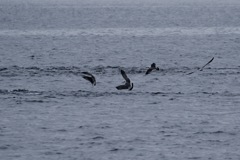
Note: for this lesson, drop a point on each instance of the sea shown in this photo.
(179, 112)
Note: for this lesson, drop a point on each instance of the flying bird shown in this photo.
(89, 77)
(206, 64)
(153, 67)
(128, 85)
(200, 69)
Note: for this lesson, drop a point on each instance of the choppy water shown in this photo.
(48, 111)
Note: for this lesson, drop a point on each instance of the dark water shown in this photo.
(48, 111)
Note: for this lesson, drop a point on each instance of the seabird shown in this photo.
(206, 64)
(153, 66)
(200, 69)
(89, 77)
(128, 85)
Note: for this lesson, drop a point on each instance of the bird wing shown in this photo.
(148, 71)
(87, 73)
(89, 77)
(206, 64)
(125, 76)
(122, 87)
(131, 87)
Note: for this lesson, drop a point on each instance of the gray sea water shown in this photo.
(48, 111)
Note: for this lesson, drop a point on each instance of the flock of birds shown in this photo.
(128, 84)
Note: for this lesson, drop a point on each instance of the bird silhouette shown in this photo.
(153, 67)
(128, 85)
(89, 77)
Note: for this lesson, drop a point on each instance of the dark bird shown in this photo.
(89, 77)
(206, 64)
(153, 67)
(128, 85)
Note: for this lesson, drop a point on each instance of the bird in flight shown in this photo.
(128, 85)
(89, 77)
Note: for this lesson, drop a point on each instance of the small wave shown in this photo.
(5, 147)
(164, 93)
(226, 94)
(85, 93)
(98, 138)
(210, 132)
(2, 69)
(14, 71)
(121, 149)
(35, 101)
(52, 153)
(76, 70)
(218, 132)
(125, 31)
(3, 91)
(8, 146)
(25, 92)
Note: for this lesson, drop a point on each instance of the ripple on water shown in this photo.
(14, 71)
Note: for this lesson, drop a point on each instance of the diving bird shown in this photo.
(128, 85)
(89, 77)
(153, 66)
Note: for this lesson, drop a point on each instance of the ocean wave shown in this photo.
(188, 31)
(14, 71)
(85, 93)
